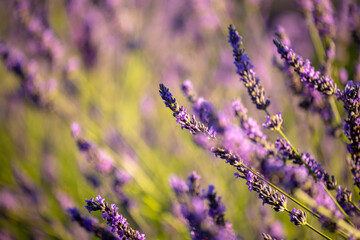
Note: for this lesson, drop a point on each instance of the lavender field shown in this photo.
(169, 119)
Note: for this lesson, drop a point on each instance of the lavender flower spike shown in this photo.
(273, 122)
(298, 217)
(245, 69)
(179, 112)
(307, 73)
(116, 221)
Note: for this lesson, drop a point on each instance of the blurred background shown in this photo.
(99, 64)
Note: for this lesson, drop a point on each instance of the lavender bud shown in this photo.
(285, 148)
(273, 122)
(298, 217)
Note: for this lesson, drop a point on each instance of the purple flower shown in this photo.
(249, 125)
(182, 117)
(116, 221)
(298, 217)
(315, 167)
(245, 69)
(178, 185)
(189, 91)
(324, 17)
(91, 225)
(285, 148)
(273, 122)
(104, 163)
(306, 72)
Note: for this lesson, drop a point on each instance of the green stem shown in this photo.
(315, 38)
(283, 192)
(335, 111)
(317, 231)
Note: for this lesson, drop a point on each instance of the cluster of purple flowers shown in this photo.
(116, 221)
(205, 222)
(313, 79)
(282, 150)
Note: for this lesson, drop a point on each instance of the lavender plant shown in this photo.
(96, 61)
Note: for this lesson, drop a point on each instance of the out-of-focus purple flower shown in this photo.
(298, 217)
(343, 75)
(235, 140)
(178, 185)
(193, 183)
(323, 16)
(273, 122)
(16, 63)
(91, 225)
(188, 90)
(105, 163)
(305, 5)
(246, 71)
(204, 222)
(8, 199)
(250, 126)
(216, 207)
(307, 73)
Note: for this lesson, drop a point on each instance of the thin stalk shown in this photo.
(335, 111)
(283, 192)
(317, 231)
(315, 38)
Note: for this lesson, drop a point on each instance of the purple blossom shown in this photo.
(245, 69)
(344, 198)
(182, 117)
(306, 72)
(298, 217)
(116, 221)
(91, 225)
(315, 167)
(189, 91)
(324, 17)
(178, 185)
(285, 148)
(351, 99)
(273, 122)
(249, 125)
